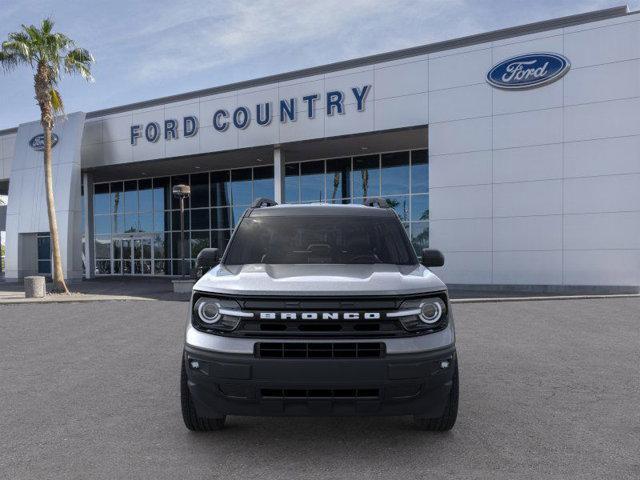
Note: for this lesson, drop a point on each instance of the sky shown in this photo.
(149, 49)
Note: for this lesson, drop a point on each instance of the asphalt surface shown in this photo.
(549, 389)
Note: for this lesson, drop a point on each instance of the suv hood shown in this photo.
(319, 280)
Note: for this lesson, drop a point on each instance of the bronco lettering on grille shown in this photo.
(319, 315)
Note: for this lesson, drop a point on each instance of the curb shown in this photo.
(72, 299)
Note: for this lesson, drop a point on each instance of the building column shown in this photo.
(87, 186)
(278, 174)
(26, 206)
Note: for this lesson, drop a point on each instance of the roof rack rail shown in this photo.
(264, 202)
(376, 202)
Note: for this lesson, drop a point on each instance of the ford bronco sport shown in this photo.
(319, 310)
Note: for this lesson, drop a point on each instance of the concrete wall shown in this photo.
(539, 186)
(27, 207)
(7, 149)
(398, 98)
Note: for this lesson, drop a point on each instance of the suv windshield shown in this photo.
(320, 239)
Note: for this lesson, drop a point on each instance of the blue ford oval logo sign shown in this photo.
(528, 71)
(37, 142)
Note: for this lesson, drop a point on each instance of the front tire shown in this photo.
(450, 413)
(192, 420)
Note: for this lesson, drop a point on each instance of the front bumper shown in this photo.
(409, 383)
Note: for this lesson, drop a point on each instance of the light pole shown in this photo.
(182, 192)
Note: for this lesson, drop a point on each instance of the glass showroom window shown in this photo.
(137, 222)
(366, 177)
(402, 178)
(338, 180)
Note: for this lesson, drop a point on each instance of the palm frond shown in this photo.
(15, 51)
(79, 60)
(56, 101)
(17, 48)
(47, 25)
(62, 42)
(19, 44)
(8, 60)
(19, 37)
(35, 35)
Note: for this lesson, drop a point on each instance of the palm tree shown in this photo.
(336, 184)
(365, 182)
(47, 53)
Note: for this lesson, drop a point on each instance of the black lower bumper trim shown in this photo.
(232, 384)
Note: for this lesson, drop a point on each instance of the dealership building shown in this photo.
(515, 152)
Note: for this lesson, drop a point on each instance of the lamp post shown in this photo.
(182, 192)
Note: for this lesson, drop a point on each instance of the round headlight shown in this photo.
(208, 311)
(431, 311)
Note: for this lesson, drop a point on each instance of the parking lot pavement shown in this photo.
(549, 389)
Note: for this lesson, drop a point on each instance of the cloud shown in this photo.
(221, 37)
(208, 38)
(151, 48)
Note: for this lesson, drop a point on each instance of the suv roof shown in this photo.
(317, 209)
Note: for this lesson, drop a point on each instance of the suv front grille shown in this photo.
(320, 393)
(360, 327)
(319, 350)
(277, 328)
(306, 328)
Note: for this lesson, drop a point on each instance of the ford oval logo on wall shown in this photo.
(528, 71)
(37, 142)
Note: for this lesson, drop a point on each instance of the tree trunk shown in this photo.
(59, 284)
(365, 183)
(42, 84)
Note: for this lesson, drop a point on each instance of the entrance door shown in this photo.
(142, 256)
(133, 255)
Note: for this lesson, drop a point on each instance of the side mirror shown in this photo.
(432, 257)
(207, 259)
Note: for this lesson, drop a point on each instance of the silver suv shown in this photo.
(319, 310)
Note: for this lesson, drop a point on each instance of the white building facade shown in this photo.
(515, 152)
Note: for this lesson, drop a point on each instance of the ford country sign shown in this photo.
(283, 110)
(528, 71)
(37, 142)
